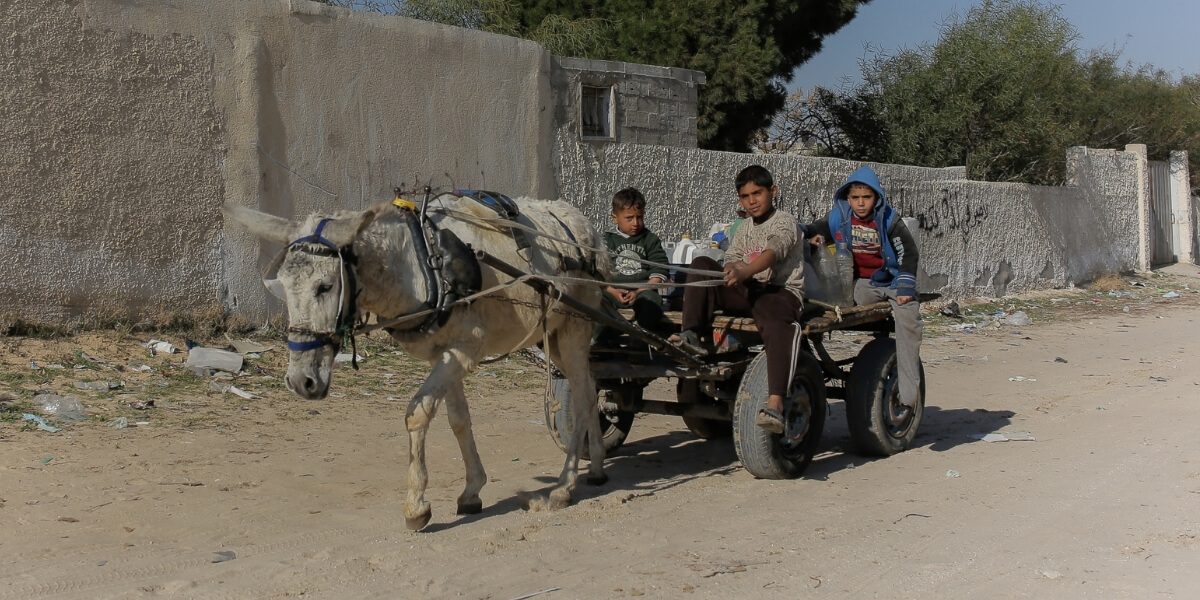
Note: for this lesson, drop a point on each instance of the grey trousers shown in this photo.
(909, 329)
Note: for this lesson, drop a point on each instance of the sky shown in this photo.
(1158, 32)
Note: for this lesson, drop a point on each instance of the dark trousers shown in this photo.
(647, 312)
(776, 312)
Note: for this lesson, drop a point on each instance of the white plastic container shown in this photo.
(713, 251)
(212, 358)
(685, 251)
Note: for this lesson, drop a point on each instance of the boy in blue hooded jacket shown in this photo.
(885, 265)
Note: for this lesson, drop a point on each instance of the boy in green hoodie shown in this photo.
(632, 244)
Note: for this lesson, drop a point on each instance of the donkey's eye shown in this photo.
(323, 288)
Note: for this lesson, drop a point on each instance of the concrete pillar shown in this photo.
(1144, 253)
(1181, 206)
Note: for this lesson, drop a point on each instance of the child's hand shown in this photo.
(735, 273)
(817, 240)
(623, 296)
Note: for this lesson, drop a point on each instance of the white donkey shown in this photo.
(371, 261)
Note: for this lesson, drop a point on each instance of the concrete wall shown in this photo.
(653, 105)
(1181, 204)
(127, 124)
(977, 238)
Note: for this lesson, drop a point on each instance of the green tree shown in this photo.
(1005, 90)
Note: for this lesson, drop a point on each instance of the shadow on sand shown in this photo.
(653, 464)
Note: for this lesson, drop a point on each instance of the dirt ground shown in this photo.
(209, 495)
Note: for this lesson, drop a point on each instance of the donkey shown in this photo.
(334, 266)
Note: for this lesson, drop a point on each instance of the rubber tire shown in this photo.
(688, 391)
(613, 428)
(769, 455)
(873, 380)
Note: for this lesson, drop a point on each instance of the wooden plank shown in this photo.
(854, 315)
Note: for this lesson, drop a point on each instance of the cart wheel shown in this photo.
(688, 391)
(879, 425)
(778, 456)
(614, 425)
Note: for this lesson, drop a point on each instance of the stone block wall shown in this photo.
(652, 105)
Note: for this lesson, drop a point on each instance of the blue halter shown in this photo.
(346, 319)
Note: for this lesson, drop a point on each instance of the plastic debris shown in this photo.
(1021, 378)
(99, 386)
(248, 347)
(141, 404)
(241, 393)
(199, 359)
(41, 423)
(1018, 318)
(1005, 436)
(1059, 359)
(223, 556)
(119, 423)
(345, 357)
(63, 407)
(159, 346)
(952, 473)
(952, 310)
(1170, 295)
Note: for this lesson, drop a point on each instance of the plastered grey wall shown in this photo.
(125, 125)
(653, 105)
(112, 150)
(976, 238)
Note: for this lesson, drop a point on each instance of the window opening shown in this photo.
(597, 112)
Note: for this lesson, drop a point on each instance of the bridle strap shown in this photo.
(317, 238)
(346, 319)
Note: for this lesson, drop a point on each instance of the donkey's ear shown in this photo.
(268, 227)
(345, 226)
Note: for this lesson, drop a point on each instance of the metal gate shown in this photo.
(1161, 215)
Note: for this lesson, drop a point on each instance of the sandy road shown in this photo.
(1105, 503)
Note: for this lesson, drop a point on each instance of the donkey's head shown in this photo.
(316, 278)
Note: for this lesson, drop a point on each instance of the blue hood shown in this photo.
(866, 176)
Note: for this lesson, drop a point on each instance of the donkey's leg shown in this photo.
(460, 423)
(569, 346)
(447, 372)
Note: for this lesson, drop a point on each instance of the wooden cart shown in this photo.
(721, 394)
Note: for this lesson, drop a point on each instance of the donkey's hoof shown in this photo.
(559, 499)
(473, 507)
(600, 479)
(418, 522)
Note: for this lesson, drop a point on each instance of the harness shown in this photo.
(507, 209)
(450, 268)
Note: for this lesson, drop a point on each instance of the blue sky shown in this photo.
(1160, 32)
